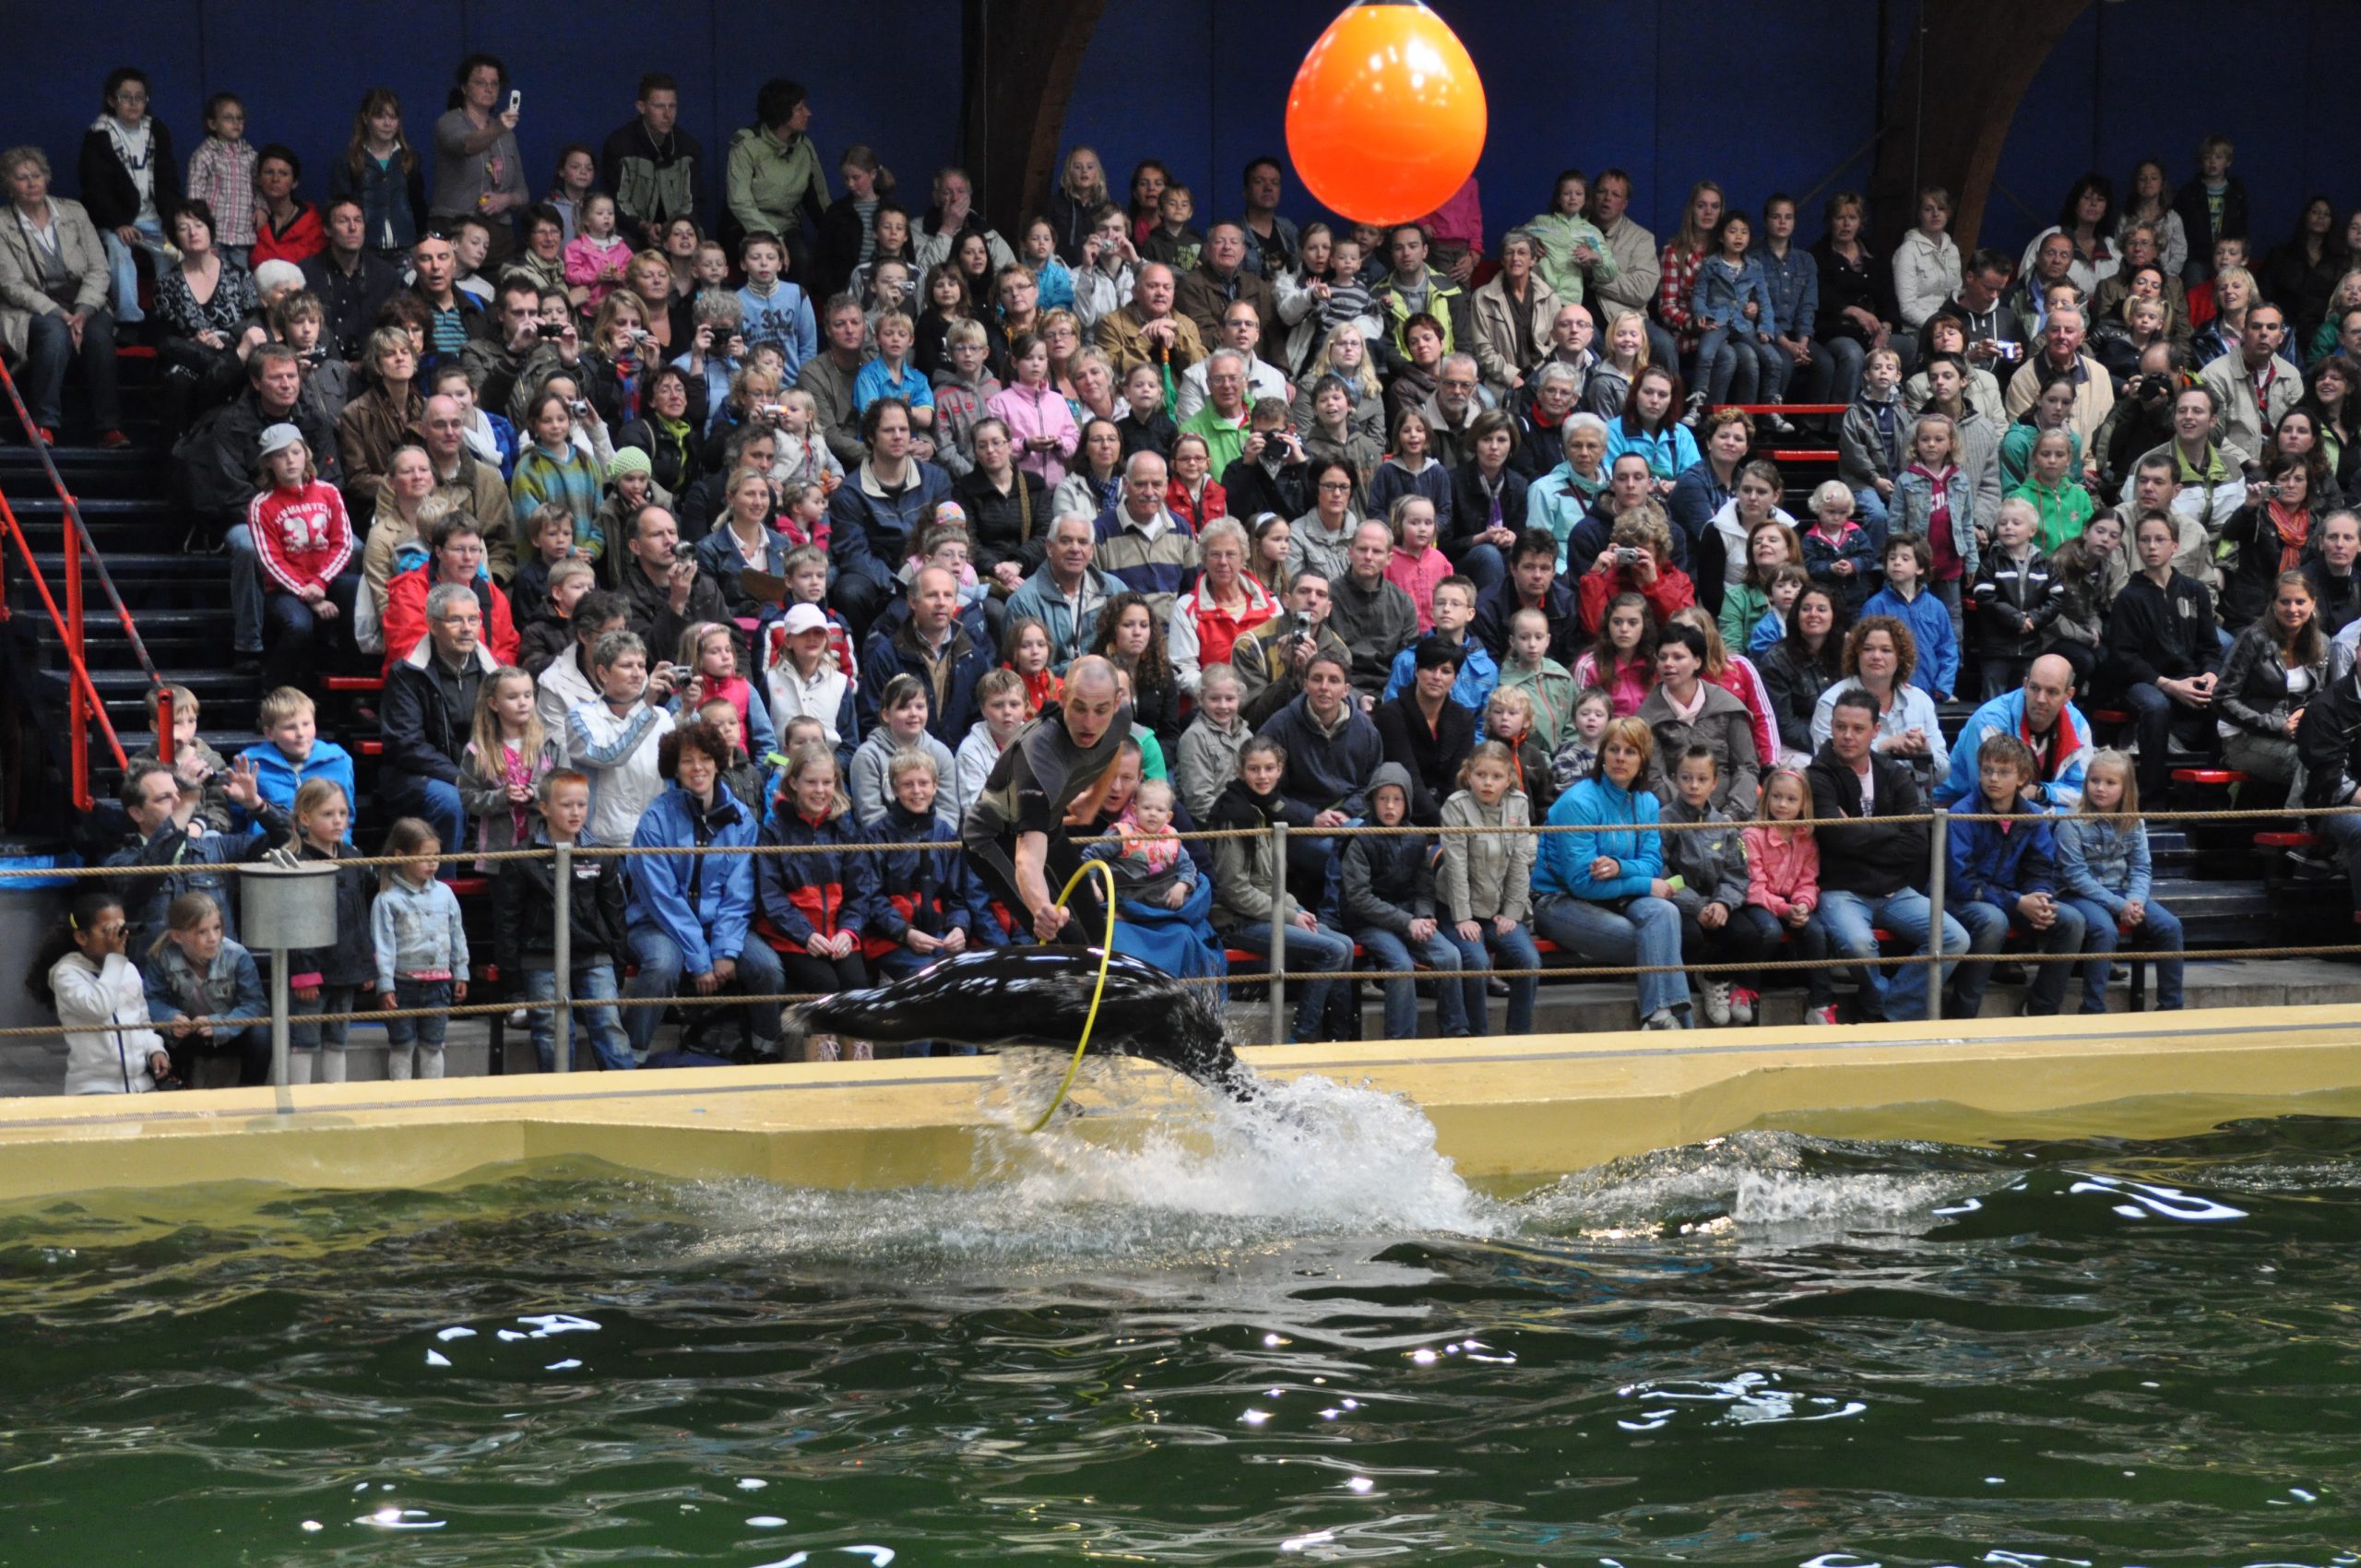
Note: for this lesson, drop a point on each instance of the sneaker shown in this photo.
(1717, 1003)
(1742, 1002)
(1777, 424)
(1695, 409)
(519, 1018)
(47, 437)
(114, 438)
(1822, 1014)
(1661, 1018)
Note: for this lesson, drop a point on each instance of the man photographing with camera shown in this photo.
(1270, 660)
(667, 594)
(498, 360)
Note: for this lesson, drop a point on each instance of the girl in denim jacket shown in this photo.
(1732, 302)
(421, 949)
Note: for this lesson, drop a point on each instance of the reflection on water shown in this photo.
(1284, 1334)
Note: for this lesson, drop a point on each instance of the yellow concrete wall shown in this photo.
(1501, 1108)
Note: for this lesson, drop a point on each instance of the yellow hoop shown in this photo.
(1105, 957)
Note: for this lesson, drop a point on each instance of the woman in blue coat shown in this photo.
(1602, 893)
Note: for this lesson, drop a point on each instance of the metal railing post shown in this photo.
(562, 954)
(279, 1034)
(1278, 932)
(1938, 863)
(77, 727)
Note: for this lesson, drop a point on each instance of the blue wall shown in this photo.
(1644, 84)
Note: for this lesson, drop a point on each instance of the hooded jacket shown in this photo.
(1388, 881)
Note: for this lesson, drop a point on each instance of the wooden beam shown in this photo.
(1975, 60)
(1023, 58)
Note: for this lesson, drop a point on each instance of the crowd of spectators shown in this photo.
(821, 519)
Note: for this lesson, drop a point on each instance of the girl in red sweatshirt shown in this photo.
(304, 543)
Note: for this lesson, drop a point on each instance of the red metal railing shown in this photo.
(82, 703)
(82, 694)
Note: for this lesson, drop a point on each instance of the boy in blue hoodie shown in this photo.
(290, 754)
(1908, 560)
(2004, 877)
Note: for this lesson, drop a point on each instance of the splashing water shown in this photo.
(1145, 1175)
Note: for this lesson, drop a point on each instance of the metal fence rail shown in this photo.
(1275, 976)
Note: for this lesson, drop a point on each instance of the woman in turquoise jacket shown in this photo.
(1602, 893)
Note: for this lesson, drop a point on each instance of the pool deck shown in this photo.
(1501, 1106)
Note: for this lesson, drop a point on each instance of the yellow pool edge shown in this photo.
(1501, 1107)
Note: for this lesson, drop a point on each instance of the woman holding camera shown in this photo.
(1637, 560)
(2274, 530)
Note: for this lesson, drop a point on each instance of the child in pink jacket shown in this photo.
(1783, 883)
(596, 258)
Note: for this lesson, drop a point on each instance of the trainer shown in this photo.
(1053, 776)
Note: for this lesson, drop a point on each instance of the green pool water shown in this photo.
(1319, 1346)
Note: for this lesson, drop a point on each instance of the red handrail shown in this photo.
(83, 702)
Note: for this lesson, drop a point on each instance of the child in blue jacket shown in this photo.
(2004, 877)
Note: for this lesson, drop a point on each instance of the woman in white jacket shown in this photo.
(1926, 265)
(80, 971)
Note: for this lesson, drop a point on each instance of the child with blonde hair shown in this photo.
(2104, 866)
(421, 950)
(1782, 883)
(1484, 890)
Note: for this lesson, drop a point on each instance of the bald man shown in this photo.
(2041, 714)
(1052, 778)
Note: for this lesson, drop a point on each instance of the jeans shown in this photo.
(124, 266)
(1484, 565)
(432, 802)
(1851, 921)
(302, 645)
(1873, 512)
(594, 983)
(2160, 721)
(2344, 834)
(1845, 360)
(1663, 348)
(1720, 355)
(1321, 949)
(1514, 950)
(1987, 927)
(48, 350)
(426, 1034)
(303, 1035)
(1647, 931)
(661, 966)
(245, 591)
(1438, 952)
(2159, 933)
(1807, 940)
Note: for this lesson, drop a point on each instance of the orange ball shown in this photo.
(1386, 118)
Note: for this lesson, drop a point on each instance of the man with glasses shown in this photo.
(429, 712)
(468, 484)
(1241, 330)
